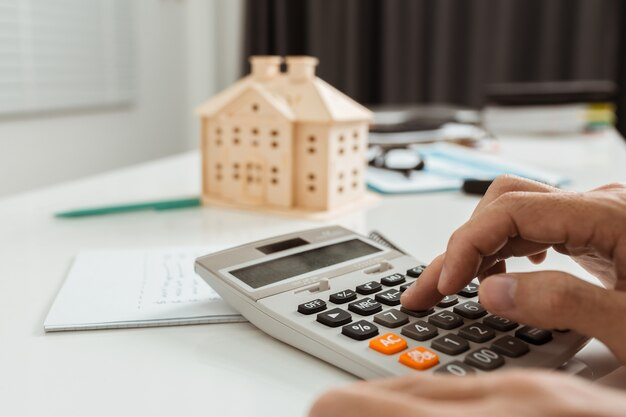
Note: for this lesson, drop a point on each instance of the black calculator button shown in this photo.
(417, 313)
(360, 330)
(500, 323)
(450, 344)
(419, 330)
(342, 296)
(365, 306)
(469, 291)
(312, 307)
(335, 317)
(455, 368)
(369, 288)
(470, 310)
(448, 301)
(416, 271)
(393, 279)
(405, 287)
(484, 359)
(534, 335)
(390, 297)
(446, 320)
(391, 318)
(477, 332)
(510, 346)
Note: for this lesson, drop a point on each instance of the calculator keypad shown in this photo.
(415, 272)
(445, 327)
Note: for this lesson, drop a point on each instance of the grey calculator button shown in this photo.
(369, 288)
(390, 297)
(510, 346)
(335, 317)
(470, 310)
(448, 300)
(417, 313)
(365, 306)
(419, 330)
(469, 291)
(314, 306)
(393, 279)
(415, 272)
(450, 344)
(360, 330)
(391, 318)
(456, 368)
(446, 320)
(477, 332)
(534, 335)
(500, 323)
(342, 297)
(484, 359)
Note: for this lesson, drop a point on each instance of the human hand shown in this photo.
(511, 394)
(518, 217)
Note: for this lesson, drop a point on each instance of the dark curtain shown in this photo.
(443, 51)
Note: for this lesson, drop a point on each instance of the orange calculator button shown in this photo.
(419, 358)
(388, 344)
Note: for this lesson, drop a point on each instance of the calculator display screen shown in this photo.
(269, 272)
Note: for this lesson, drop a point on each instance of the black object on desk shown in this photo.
(476, 187)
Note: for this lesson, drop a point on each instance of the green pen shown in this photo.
(153, 205)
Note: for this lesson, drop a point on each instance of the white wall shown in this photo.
(185, 51)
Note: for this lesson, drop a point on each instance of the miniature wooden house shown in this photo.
(284, 140)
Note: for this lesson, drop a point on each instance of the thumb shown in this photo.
(557, 300)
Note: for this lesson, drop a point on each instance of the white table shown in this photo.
(224, 369)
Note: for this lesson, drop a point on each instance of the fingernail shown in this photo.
(499, 291)
(443, 278)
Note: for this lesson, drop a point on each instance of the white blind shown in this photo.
(60, 54)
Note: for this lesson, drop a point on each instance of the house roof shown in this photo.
(310, 100)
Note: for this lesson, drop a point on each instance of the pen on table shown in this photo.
(123, 208)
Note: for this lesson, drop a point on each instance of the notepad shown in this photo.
(137, 288)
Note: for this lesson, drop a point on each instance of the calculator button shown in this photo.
(510, 346)
(391, 318)
(393, 279)
(417, 313)
(477, 332)
(388, 344)
(455, 368)
(470, 310)
(342, 297)
(312, 307)
(534, 335)
(335, 317)
(469, 291)
(390, 297)
(450, 344)
(365, 306)
(405, 287)
(446, 320)
(369, 288)
(419, 330)
(448, 300)
(484, 359)
(419, 358)
(416, 271)
(360, 330)
(500, 323)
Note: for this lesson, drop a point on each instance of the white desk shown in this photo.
(206, 370)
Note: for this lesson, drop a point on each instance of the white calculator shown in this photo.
(336, 295)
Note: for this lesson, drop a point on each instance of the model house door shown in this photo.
(254, 181)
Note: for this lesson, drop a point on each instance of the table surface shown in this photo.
(217, 369)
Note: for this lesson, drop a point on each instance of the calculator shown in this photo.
(336, 295)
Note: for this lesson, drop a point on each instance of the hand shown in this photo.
(511, 394)
(523, 218)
